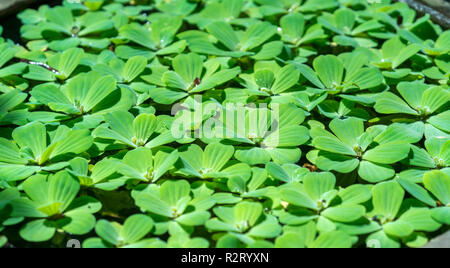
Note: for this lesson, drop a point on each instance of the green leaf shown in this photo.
(412, 92)
(38, 231)
(195, 218)
(330, 70)
(438, 183)
(188, 67)
(324, 225)
(163, 163)
(367, 78)
(290, 240)
(36, 188)
(366, 27)
(3, 239)
(269, 228)
(38, 73)
(7, 53)
(382, 240)
(309, 74)
(216, 156)
(99, 90)
(344, 213)
(345, 19)
(318, 184)
(217, 225)
(398, 133)
(66, 62)
(174, 191)
(137, 164)
(387, 153)
(387, 199)
(216, 79)
(417, 191)
(63, 189)
(434, 98)
(52, 96)
(76, 141)
(247, 213)
(398, 228)
(420, 219)
(175, 48)
(347, 130)
(298, 198)
(287, 172)
(416, 240)
(135, 228)
(438, 147)
(405, 54)
(355, 194)
(97, 27)
(138, 34)
(80, 222)
(32, 136)
(285, 78)
(441, 214)
(225, 34)
(293, 26)
(192, 157)
(61, 17)
(121, 124)
(253, 156)
(14, 172)
(96, 243)
(285, 155)
(440, 121)
(10, 100)
(256, 35)
(86, 204)
(152, 203)
(174, 80)
(11, 153)
(287, 137)
(108, 231)
(334, 239)
(264, 78)
(331, 161)
(389, 103)
(133, 68)
(143, 127)
(269, 51)
(333, 145)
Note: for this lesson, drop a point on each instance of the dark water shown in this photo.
(11, 24)
(439, 10)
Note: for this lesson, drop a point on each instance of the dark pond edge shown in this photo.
(442, 241)
(441, 18)
(11, 24)
(18, 6)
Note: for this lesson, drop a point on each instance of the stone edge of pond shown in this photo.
(8, 7)
(440, 15)
(442, 241)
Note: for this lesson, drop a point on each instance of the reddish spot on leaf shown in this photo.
(312, 168)
(197, 81)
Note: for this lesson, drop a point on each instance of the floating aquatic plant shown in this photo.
(225, 123)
